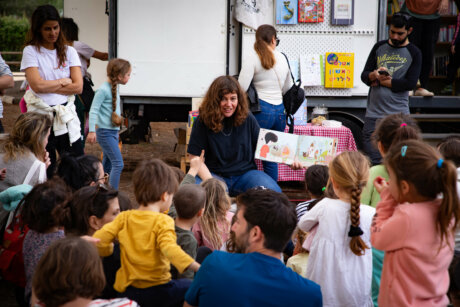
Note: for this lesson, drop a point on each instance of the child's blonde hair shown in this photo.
(116, 68)
(423, 166)
(350, 171)
(215, 211)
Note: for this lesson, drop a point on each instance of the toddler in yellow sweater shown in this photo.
(148, 241)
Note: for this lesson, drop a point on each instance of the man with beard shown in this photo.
(391, 71)
(256, 276)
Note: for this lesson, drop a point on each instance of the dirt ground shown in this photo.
(162, 147)
(164, 142)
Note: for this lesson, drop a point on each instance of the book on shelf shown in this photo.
(312, 69)
(287, 148)
(446, 34)
(339, 70)
(440, 66)
(452, 10)
(311, 11)
(286, 12)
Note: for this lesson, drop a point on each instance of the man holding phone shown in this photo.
(392, 70)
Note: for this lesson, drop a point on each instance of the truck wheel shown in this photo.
(356, 128)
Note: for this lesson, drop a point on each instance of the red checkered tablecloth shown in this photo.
(343, 134)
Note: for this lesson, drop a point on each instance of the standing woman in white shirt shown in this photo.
(268, 69)
(53, 71)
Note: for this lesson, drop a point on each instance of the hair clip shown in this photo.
(403, 151)
(440, 162)
(323, 189)
(403, 125)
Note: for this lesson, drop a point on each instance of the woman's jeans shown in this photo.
(112, 160)
(251, 179)
(271, 117)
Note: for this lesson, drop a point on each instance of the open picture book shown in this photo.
(280, 147)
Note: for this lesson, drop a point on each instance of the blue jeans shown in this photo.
(112, 160)
(271, 117)
(368, 145)
(169, 294)
(251, 179)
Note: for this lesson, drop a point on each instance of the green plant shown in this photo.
(13, 32)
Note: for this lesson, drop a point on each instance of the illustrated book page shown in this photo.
(286, 148)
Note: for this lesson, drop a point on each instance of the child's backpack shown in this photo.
(14, 231)
(11, 260)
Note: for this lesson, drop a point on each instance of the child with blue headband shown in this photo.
(414, 224)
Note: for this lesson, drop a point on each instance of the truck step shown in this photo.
(436, 117)
(429, 137)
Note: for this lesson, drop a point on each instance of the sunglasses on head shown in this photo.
(405, 16)
(105, 178)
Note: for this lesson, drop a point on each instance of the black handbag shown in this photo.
(87, 94)
(292, 99)
(253, 99)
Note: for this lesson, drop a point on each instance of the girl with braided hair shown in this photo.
(414, 225)
(105, 113)
(340, 258)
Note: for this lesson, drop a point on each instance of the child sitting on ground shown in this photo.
(298, 262)
(148, 241)
(390, 130)
(189, 202)
(38, 210)
(213, 229)
(450, 149)
(70, 274)
(339, 259)
(414, 225)
(316, 177)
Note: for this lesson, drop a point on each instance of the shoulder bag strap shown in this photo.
(32, 171)
(290, 71)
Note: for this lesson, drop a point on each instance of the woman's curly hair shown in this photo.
(210, 112)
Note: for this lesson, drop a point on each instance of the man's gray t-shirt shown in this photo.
(403, 64)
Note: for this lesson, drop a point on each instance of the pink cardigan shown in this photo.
(415, 266)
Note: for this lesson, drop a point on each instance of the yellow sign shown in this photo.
(339, 70)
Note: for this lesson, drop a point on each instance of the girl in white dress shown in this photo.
(340, 258)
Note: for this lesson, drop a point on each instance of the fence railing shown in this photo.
(11, 53)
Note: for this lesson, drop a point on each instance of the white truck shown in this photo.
(178, 47)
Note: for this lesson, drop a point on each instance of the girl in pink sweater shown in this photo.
(414, 226)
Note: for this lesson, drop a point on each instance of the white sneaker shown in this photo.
(423, 92)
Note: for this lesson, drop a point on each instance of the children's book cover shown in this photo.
(312, 69)
(286, 12)
(311, 11)
(339, 70)
(286, 148)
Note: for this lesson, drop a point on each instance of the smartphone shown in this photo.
(383, 72)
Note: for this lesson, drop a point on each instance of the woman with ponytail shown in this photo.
(414, 225)
(105, 113)
(268, 69)
(340, 258)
